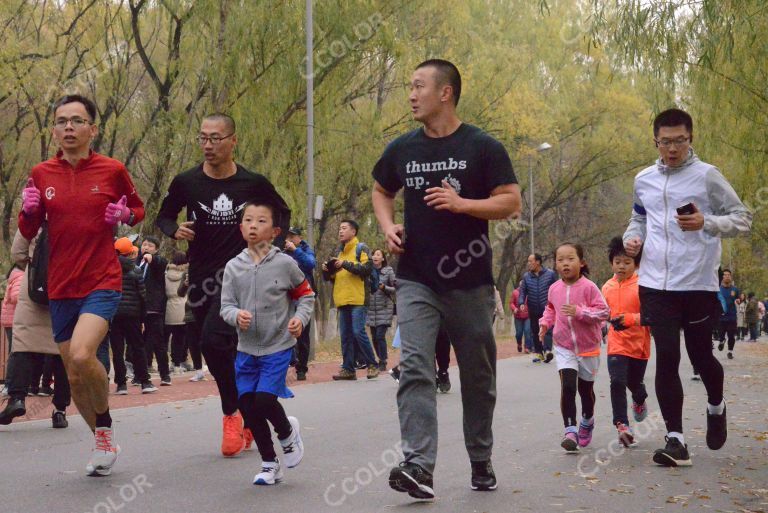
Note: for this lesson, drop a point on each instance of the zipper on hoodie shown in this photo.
(666, 233)
(570, 320)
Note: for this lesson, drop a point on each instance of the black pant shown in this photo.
(219, 345)
(176, 335)
(538, 345)
(442, 350)
(666, 312)
(570, 384)
(192, 340)
(126, 332)
(258, 408)
(728, 326)
(155, 342)
(9, 338)
(302, 350)
(626, 373)
(21, 373)
(379, 339)
(48, 370)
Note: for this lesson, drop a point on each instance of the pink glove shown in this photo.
(117, 212)
(30, 198)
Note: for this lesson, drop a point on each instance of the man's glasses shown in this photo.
(77, 122)
(202, 140)
(666, 143)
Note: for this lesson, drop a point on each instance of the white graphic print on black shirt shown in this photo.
(473, 163)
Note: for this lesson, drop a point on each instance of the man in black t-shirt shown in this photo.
(455, 178)
(214, 194)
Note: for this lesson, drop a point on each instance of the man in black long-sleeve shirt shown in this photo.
(214, 194)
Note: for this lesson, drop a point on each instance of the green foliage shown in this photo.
(708, 57)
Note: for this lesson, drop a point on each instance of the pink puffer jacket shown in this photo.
(11, 298)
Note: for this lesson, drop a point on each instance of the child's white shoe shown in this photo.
(293, 446)
(271, 473)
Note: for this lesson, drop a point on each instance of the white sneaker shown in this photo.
(4, 391)
(104, 455)
(129, 374)
(293, 446)
(271, 473)
(199, 376)
(178, 370)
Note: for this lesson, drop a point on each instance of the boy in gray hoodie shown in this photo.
(260, 286)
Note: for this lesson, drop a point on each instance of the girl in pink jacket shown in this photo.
(576, 309)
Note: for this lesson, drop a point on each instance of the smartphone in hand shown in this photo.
(685, 210)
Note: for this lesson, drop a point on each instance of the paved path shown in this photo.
(170, 460)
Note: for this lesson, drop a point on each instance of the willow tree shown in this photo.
(709, 57)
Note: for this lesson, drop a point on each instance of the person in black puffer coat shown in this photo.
(126, 325)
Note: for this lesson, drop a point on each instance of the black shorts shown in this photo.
(678, 308)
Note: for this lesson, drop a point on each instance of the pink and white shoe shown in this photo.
(570, 441)
(639, 411)
(585, 431)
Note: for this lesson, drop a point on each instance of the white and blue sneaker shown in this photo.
(293, 446)
(271, 473)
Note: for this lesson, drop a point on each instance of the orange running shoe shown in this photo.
(248, 435)
(233, 442)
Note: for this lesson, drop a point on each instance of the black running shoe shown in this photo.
(14, 408)
(443, 382)
(675, 454)
(483, 477)
(413, 480)
(720, 346)
(717, 430)
(549, 356)
(59, 419)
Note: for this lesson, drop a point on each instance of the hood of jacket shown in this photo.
(176, 272)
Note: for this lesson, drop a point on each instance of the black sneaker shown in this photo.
(730, 355)
(45, 391)
(483, 477)
(549, 356)
(395, 373)
(148, 388)
(14, 408)
(412, 479)
(121, 390)
(59, 420)
(720, 346)
(301, 376)
(717, 430)
(675, 454)
(443, 382)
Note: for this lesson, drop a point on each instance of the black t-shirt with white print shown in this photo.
(443, 250)
(216, 207)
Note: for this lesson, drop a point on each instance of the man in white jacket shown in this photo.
(682, 207)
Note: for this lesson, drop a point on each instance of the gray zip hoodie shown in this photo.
(267, 290)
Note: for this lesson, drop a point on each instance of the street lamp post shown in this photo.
(540, 149)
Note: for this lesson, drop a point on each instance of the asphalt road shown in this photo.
(170, 460)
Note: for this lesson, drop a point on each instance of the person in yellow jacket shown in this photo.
(349, 271)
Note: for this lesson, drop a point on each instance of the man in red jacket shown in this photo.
(82, 195)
